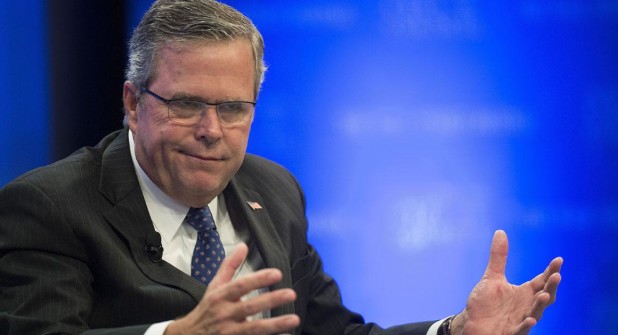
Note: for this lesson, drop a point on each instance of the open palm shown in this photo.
(497, 307)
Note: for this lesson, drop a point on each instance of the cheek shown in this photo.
(159, 120)
(148, 122)
(153, 115)
(238, 140)
(161, 143)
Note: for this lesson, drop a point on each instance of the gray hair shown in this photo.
(185, 21)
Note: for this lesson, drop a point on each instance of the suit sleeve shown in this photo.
(45, 280)
(325, 312)
(320, 298)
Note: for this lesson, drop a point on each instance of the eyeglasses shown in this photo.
(190, 112)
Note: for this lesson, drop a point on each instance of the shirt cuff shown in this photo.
(433, 330)
(157, 328)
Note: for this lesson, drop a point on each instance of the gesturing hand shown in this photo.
(497, 307)
(221, 310)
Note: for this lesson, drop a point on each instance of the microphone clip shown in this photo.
(153, 247)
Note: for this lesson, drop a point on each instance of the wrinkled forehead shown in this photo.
(175, 49)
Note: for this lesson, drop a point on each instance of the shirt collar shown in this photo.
(166, 213)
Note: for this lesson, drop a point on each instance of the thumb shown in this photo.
(497, 255)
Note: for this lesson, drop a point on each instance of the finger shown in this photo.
(545, 297)
(541, 302)
(273, 325)
(552, 286)
(524, 327)
(497, 255)
(234, 290)
(229, 266)
(539, 282)
(550, 289)
(262, 302)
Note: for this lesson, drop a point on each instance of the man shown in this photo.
(79, 239)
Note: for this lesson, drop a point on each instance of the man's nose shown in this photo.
(209, 126)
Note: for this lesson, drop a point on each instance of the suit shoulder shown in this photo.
(84, 162)
(263, 164)
(261, 173)
(256, 166)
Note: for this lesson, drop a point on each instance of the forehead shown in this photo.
(208, 64)
(205, 51)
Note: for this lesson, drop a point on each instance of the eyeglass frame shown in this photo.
(216, 105)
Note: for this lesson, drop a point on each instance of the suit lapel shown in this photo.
(263, 233)
(130, 217)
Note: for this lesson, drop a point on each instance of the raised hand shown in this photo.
(221, 310)
(497, 307)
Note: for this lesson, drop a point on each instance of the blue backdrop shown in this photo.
(24, 119)
(417, 128)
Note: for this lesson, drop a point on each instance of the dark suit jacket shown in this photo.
(72, 257)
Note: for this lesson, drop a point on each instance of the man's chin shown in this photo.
(200, 191)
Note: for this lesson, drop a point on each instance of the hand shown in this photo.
(497, 307)
(221, 310)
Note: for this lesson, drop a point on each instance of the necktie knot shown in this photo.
(200, 219)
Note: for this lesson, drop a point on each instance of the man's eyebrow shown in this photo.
(187, 96)
(192, 97)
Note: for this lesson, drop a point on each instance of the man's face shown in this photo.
(193, 164)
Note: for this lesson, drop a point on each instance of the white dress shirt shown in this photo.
(179, 238)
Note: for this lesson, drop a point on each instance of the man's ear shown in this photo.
(130, 101)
